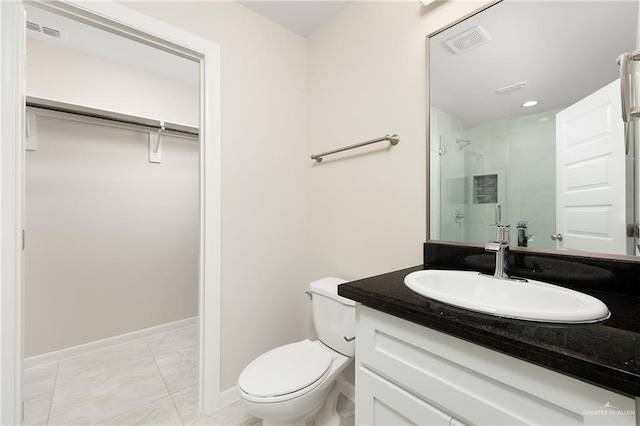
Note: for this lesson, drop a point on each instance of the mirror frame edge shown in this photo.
(616, 257)
(428, 111)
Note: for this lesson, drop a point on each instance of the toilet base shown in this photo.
(289, 422)
(306, 420)
(328, 414)
(323, 415)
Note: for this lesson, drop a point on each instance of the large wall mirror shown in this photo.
(526, 128)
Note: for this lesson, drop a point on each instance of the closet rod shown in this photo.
(108, 115)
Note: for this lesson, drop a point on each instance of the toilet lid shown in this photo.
(285, 369)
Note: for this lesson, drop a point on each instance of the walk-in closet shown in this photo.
(112, 227)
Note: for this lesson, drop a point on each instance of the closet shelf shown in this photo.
(109, 115)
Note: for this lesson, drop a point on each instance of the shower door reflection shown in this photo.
(508, 162)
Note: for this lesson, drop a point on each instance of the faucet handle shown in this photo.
(498, 214)
(502, 232)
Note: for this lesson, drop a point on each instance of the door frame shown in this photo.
(126, 22)
(11, 217)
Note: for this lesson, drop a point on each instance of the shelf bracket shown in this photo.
(155, 145)
(31, 132)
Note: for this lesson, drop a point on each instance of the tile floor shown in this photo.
(148, 382)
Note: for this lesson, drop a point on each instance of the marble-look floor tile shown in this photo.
(173, 341)
(346, 410)
(179, 367)
(161, 412)
(234, 414)
(37, 392)
(97, 386)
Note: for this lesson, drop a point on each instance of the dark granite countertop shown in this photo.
(606, 354)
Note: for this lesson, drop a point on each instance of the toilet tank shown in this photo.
(334, 317)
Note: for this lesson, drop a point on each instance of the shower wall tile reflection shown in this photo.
(509, 162)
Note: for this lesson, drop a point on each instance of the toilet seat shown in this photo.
(285, 372)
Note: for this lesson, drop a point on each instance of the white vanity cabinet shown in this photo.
(408, 374)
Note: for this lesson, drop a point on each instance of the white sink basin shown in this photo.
(532, 300)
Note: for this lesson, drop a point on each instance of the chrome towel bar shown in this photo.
(394, 139)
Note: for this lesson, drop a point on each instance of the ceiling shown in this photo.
(564, 50)
(535, 35)
(94, 41)
(301, 17)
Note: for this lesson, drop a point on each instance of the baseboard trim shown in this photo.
(74, 351)
(349, 390)
(229, 396)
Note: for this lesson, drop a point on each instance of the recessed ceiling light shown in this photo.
(425, 2)
(530, 103)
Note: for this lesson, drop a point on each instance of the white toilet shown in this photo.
(298, 384)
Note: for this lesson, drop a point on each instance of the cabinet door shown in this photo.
(380, 402)
(479, 385)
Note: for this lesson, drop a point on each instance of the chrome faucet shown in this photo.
(501, 248)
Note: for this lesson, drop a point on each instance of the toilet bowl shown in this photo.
(280, 385)
(299, 383)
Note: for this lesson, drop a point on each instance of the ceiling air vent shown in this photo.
(51, 32)
(511, 88)
(33, 26)
(468, 40)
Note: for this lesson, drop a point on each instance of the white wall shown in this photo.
(81, 79)
(367, 68)
(367, 78)
(263, 175)
(366, 214)
(112, 240)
